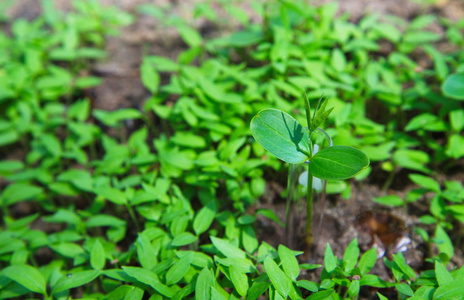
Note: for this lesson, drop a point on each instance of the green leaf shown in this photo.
(278, 278)
(97, 256)
(390, 200)
(426, 182)
(183, 239)
(451, 290)
(226, 248)
(322, 295)
(351, 255)
(149, 278)
(445, 245)
(382, 297)
(442, 275)
(204, 218)
(400, 262)
(87, 82)
(249, 240)
(150, 77)
(338, 163)
(257, 289)
(239, 280)
(146, 252)
(289, 262)
(17, 192)
(125, 292)
(367, 261)
(282, 135)
(453, 86)
(353, 290)
(412, 159)
(114, 195)
(8, 166)
(8, 137)
(330, 260)
(27, 276)
(203, 285)
(73, 280)
(404, 289)
(179, 269)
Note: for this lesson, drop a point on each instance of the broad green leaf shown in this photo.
(367, 261)
(249, 240)
(351, 255)
(87, 82)
(239, 280)
(455, 147)
(179, 269)
(183, 239)
(442, 275)
(451, 290)
(257, 289)
(114, 195)
(52, 144)
(412, 159)
(70, 250)
(8, 137)
(404, 289)
(456, 118)
(282, 135)
(426, 182)
(17, 192)
(73, 280)
(445, 245)
(322, 295)
(27, 276)
(289, 262)
(330, 260)
(400, 262)
(204, 218)
(453, 86)
(308, 285)
(150, 77)
(279, 280)
(124, 292)
(390, 200)
(227, 249)
(97, 256)
(146, 253)
(338, 163)
(353, 290)
(149, 278)
(7, 166)
(243, 265)
(203, 285)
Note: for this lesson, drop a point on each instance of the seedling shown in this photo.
(283, 136)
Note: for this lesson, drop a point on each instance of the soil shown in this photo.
(343, 220)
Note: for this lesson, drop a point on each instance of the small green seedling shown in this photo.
(280, 134)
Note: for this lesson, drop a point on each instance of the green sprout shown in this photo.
(283, 136)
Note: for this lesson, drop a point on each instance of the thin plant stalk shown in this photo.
(309, 211)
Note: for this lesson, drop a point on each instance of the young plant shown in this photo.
(284, 137)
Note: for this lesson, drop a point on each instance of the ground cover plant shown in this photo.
(165, 201)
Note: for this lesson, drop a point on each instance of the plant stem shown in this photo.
(133, 217)
(309, 210)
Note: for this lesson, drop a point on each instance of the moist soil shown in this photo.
(337, 221)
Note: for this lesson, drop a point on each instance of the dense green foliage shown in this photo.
(91, 210)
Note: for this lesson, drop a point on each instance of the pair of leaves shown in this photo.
(284, 137)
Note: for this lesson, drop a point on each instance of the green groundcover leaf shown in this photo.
(27, 276)
(454, 86)
(338, 163)
(280, 134)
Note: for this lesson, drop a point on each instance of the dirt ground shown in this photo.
(343, 219)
